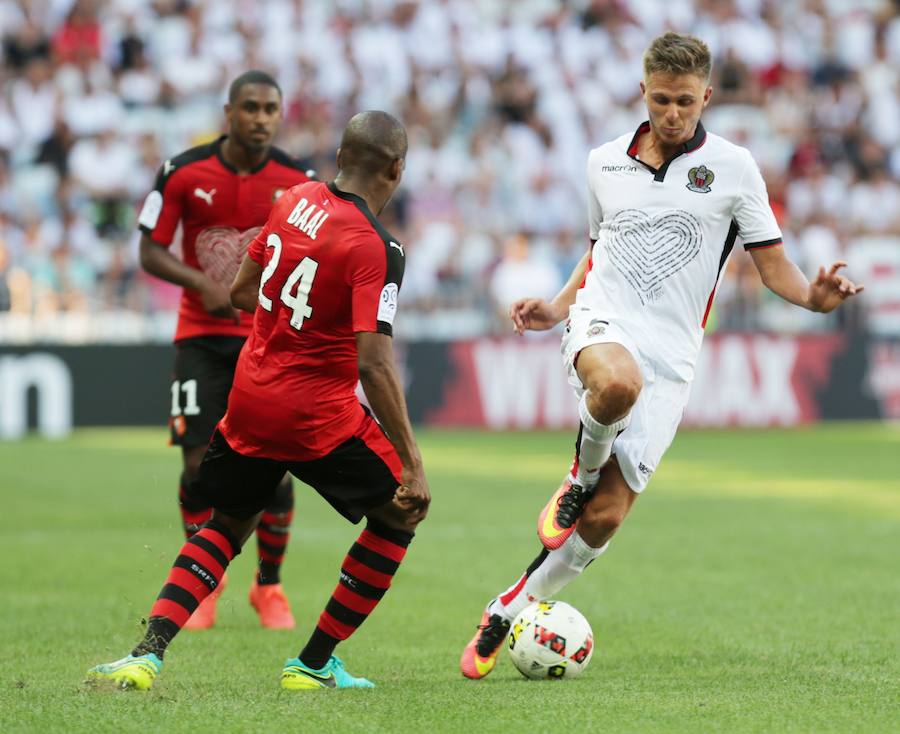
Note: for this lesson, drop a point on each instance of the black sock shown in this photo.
(318, 649)
(160, 632)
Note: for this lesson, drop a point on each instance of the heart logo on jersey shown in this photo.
(220, 251)
(648, 249)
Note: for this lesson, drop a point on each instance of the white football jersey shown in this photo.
(663, 238)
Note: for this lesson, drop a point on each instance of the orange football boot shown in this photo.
(480, 655)
(272, 606)
(557, 520)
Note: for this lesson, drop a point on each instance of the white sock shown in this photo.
(596, 444)
(550, 573)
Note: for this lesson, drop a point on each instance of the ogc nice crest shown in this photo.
(699, 179)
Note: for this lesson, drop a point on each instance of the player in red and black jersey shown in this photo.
(323, 278)
(221, 194)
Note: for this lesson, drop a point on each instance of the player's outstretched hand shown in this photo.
(829, 290)
(413, 496)
(217, 301)
(534, 314)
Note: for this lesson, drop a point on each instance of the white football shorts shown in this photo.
(659, 407)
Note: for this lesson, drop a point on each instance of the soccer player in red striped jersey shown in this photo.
(323, 278)
(221, 193)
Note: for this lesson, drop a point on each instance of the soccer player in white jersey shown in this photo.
(666, 205)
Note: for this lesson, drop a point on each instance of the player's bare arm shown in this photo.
(383, 388)
(780, 275)
(158, 261)
(245, 289)
(538, 315)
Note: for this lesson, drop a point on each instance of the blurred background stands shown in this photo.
(502, 102)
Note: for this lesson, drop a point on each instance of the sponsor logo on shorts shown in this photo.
(597, 327)
(644, 469)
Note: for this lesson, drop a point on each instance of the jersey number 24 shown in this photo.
(302, 276)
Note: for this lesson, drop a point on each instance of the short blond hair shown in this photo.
(677, 53)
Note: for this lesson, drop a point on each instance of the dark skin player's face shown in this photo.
(254, 116)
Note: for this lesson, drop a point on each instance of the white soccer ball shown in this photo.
(551, 639)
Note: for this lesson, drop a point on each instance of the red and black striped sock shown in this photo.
(195, 574)
(273, 533)
(366, 575)
(193, 513)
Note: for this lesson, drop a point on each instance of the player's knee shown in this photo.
(610, 398)
(189, 473)
(189, 495)
(283, 499)
(239, 528)
(412, 516)
(420, 513)
(400, 518)
(191, 465)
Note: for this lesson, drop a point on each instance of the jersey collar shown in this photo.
(348, 196)
(256, 169)
(659, 174)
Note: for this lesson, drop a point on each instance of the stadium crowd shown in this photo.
(502, 102)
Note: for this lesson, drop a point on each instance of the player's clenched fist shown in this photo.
(217, 301)
(413, 496)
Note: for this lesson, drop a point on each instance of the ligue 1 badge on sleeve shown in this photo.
(699, 179)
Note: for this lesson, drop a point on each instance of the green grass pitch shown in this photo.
(754, 588)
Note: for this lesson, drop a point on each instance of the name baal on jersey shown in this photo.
(662, 238)
(221, 211)
(330, 270)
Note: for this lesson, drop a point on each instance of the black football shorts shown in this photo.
(204, 371)
(353, 478)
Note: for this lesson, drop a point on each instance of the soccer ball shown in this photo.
(551, 639)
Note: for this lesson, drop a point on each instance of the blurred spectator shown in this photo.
(55, 149)
(34, 101)
(104, 167)
(25, 45)
(79, 36)
(521, 273)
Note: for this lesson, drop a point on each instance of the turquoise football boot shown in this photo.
(129, 673)
(297, 677)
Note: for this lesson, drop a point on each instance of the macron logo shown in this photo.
(206, 196)
(399, 247)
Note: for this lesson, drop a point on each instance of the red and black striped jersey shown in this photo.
(220, 211)
(330, 270)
